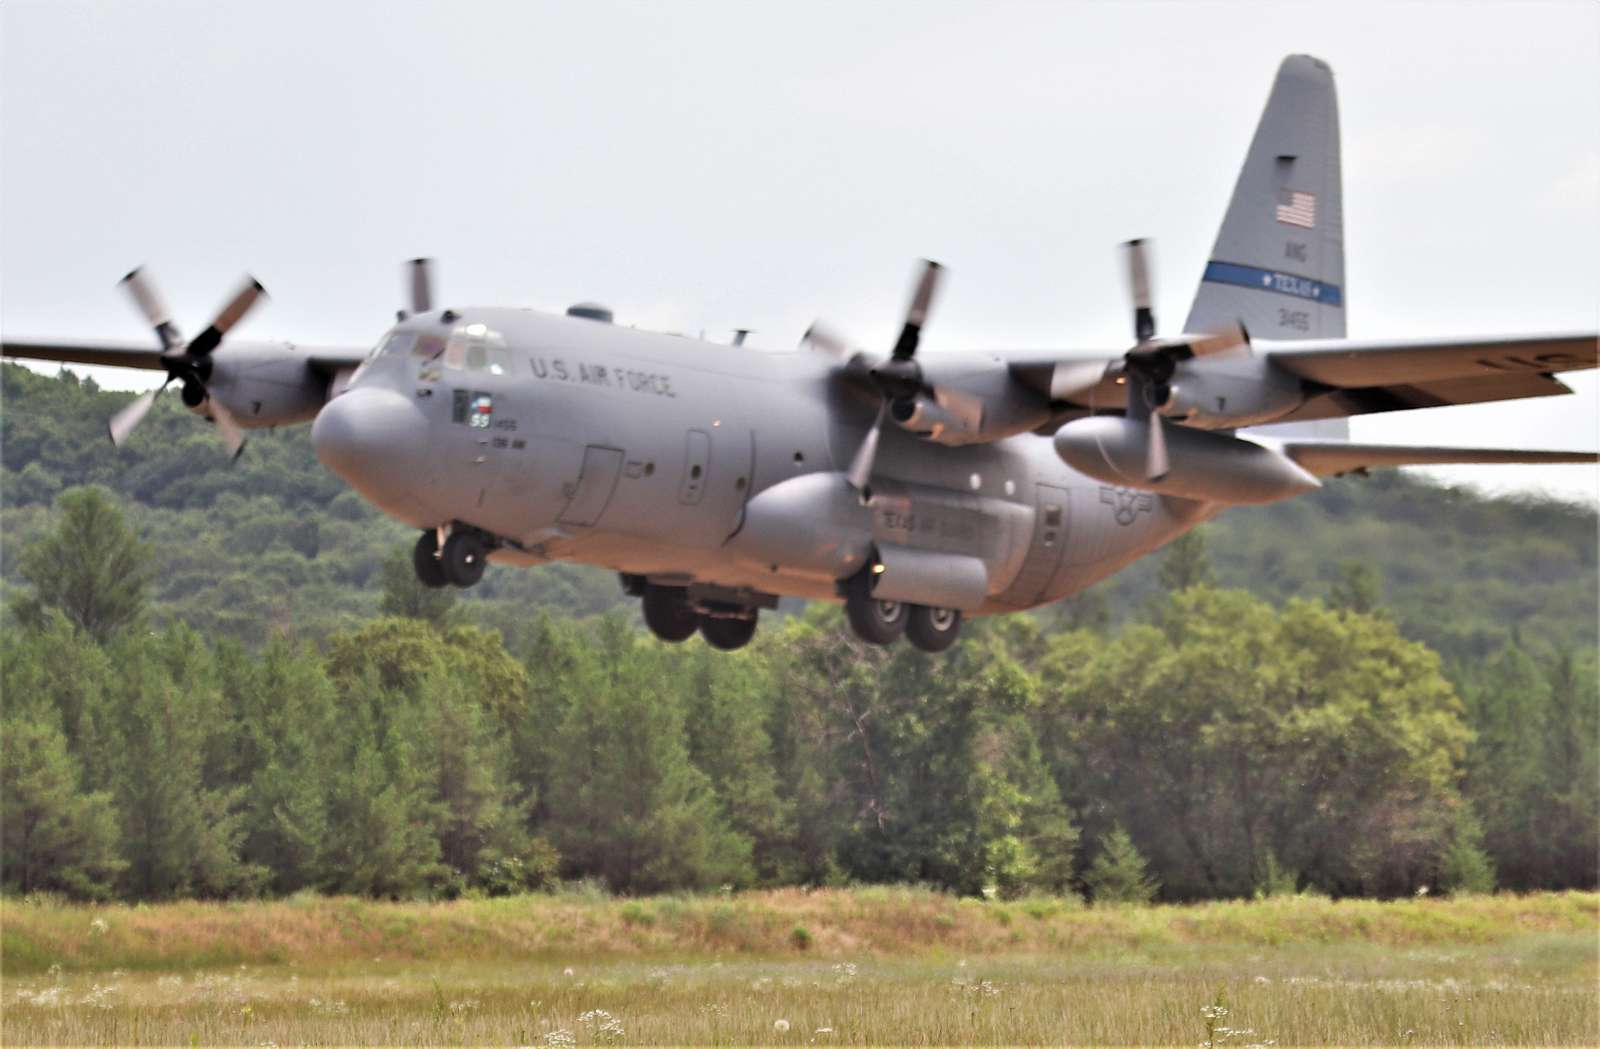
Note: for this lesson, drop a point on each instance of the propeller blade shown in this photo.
(1231, 337)
(227, 426)
(154, 309)
(231, 314)
(122, 424)
(421, 285)
(821, 337)
(1144, 318)
(861, 466)
(917, 312)
(1156, 465)
(1072, 380)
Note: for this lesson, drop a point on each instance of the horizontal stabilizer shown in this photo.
(1330, 458)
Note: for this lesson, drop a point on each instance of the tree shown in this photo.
(92, 567)
(1358, 589)
(179, 836)
(625, 802)
(1186, 563)
(404, 594)
(54, 836)
(1117, 874)
(1235, 731)
(1466, 867)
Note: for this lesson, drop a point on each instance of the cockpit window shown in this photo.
(399, 342)
(477, 349)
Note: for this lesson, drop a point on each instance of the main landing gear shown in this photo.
(881, 622)
(672, 616)
(460, 563)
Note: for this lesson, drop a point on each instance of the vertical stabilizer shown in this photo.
(1278, 264)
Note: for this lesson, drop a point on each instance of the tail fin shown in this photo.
(1278, 264)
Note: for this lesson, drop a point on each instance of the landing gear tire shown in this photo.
(667, 613)
(728, 634)
(933, 629)
(425, 559)
(464, 558)
(875, 622)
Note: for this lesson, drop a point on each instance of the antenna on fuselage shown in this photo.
(739, 335)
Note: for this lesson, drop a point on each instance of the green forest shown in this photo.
(222, 681)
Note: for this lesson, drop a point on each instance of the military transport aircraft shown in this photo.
(716, 478)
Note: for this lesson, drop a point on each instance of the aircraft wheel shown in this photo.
(464, 558)
(728, 634)
(875, 622)
(425, 559)
(933, 629)
(667, 613)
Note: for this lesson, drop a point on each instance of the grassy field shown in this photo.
(855, 967)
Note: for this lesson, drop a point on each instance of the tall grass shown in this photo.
(879, 965)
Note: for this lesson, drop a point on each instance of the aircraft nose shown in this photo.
(376, 440)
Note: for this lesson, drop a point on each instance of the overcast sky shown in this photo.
(714, 165)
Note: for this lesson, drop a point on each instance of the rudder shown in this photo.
(1278, 263)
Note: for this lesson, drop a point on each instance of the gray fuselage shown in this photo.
(574, 439)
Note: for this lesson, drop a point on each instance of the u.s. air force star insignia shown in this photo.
(1126, 503)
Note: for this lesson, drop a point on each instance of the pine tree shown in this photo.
(404, 594)
(1186, 563)
(625, 802)
(1466, 868)
(92, 567)
(1118, 875)
(54, 835)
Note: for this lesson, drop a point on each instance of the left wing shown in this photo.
(109, 354)
(1327, 458)
(1349, 377)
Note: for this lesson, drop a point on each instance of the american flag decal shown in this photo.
(1298, 209)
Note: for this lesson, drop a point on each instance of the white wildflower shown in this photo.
(560, 1038)
(567, 971)
(824, 1030)
(98, 927)
(603, 1027)
(781, 1026)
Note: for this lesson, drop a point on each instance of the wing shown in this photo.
(1330, 458)
(111, 354)
(325, 360)
(1349, 377)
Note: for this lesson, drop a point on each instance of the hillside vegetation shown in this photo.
(274, 542)
(175, 727)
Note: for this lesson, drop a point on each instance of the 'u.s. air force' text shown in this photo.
(557, 369)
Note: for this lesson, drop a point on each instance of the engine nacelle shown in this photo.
(263, 384)
(1212, 467)
(1216, 393)
(927, 418)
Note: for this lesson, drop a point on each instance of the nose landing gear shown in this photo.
(460, 563)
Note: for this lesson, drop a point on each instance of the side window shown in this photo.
(475, 408)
